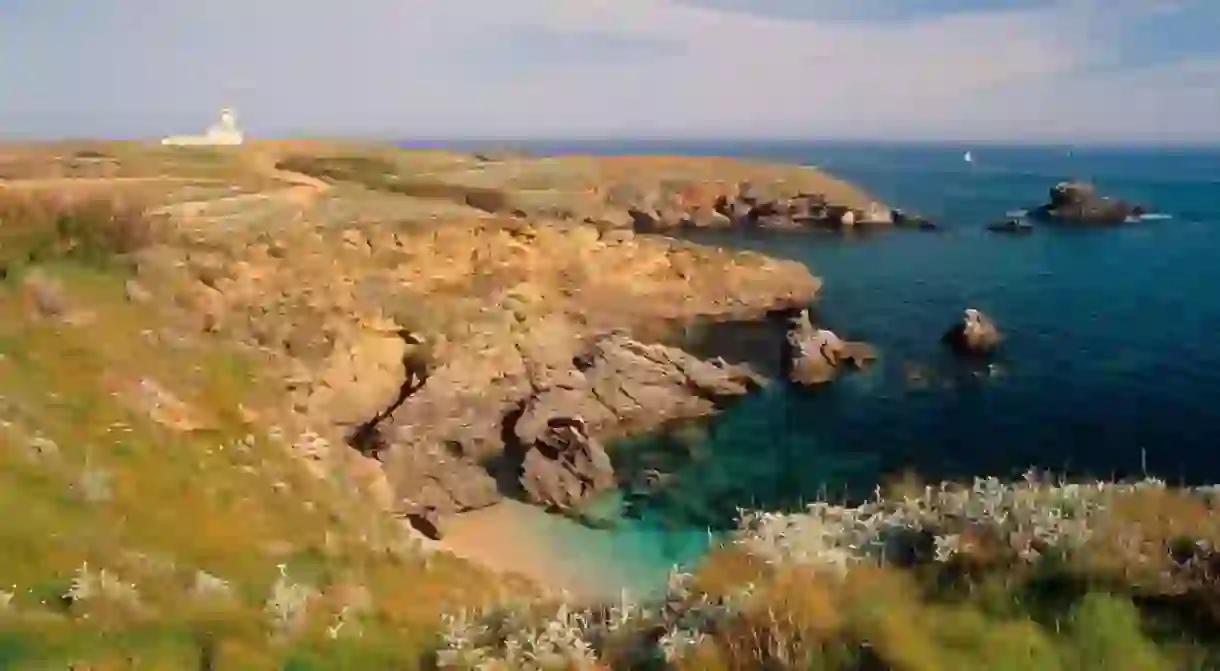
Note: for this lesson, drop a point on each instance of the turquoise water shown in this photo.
(1111, 363)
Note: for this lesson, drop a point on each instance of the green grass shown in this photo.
(155, 505)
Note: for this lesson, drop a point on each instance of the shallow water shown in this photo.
(1111, 363)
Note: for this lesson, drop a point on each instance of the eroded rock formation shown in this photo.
(815, 356)
(565, 466)
(447, 443)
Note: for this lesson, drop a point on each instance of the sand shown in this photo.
(561, 555)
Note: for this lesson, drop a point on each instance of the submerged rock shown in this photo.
(975, 334)
(1011, 226)
(904, 219)
(815, 356)
(565, 466)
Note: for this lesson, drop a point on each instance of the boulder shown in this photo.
(876, 214)
(748, 193)
(908, 220)
(975, 334)
(663, 218)
(815, 356)
(707, 217)
(736, 210)
(1075, 202)
(565, 466)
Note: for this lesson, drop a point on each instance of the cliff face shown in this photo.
(416, 303)
(490, 279)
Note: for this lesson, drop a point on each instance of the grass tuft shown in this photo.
(40, 227)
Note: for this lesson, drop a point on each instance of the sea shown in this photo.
(1110, 365)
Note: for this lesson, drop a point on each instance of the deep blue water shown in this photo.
(1112, 356)
(1111, 361)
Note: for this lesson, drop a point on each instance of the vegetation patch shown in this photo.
(38, 227)
(148, 544)
(988, 575)
(383, 175)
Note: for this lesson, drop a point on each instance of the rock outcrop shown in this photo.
(749, 207)
(814, 356)
(1075, 202)
(975, 334)
(565, 466)
(446, 444)
(518, 307)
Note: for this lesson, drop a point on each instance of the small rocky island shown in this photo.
(975, 335)
(1079, 203)
(814, 356)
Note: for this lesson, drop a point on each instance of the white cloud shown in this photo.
(561, 67)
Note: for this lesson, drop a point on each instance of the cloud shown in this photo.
(866, 10)
(629, 67)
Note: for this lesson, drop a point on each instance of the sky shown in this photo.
(1134, 71)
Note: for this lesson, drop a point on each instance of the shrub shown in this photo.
(37, 227)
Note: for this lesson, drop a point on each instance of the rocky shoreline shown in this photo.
(480, 333)
(507, 302)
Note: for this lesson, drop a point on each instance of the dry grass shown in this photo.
(382, 174)
(112, 494)
(37, 227)
(83, 160)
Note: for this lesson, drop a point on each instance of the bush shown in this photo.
(38, 227)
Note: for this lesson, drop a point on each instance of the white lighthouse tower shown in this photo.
(222, 133)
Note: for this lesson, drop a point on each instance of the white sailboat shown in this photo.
(968, 157)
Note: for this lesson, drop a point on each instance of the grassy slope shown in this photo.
(94, 477)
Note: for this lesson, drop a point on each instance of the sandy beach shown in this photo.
(562, 555)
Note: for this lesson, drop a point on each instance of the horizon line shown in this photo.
(439, 140)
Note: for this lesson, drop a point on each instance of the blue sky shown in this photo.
(1103, 70)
